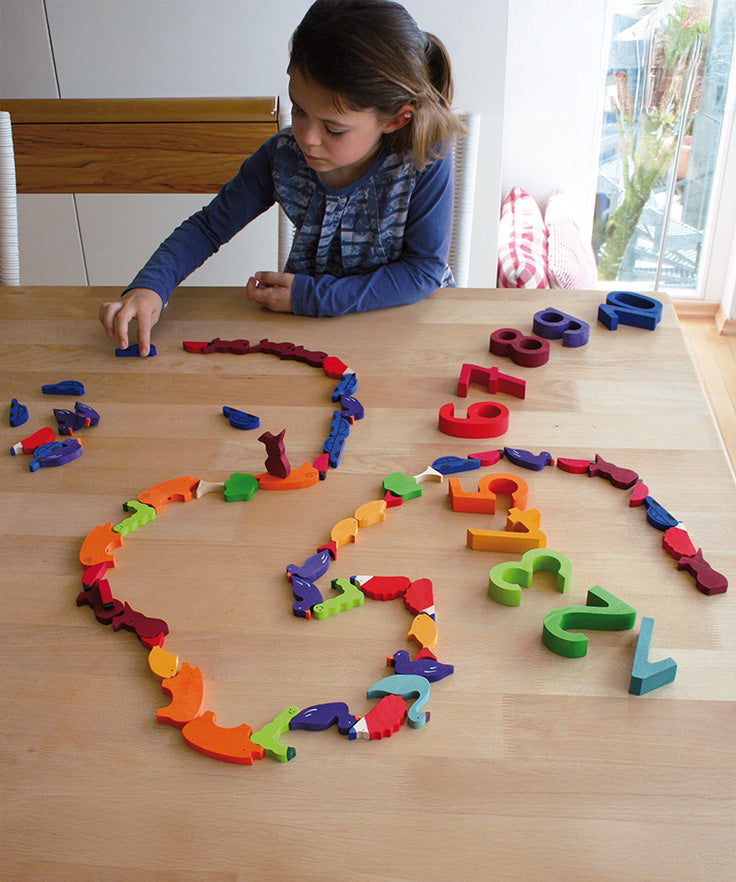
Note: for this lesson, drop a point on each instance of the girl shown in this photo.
(364, 174)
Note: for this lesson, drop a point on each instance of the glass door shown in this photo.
(666, 97)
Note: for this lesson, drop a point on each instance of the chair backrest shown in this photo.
(9, 263)
(465, 157)
(138, 145)
(135, 145)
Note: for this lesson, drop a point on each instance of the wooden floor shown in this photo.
(714, 355)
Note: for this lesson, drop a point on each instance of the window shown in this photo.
(666, 87)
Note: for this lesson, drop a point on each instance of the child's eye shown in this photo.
(334, 134)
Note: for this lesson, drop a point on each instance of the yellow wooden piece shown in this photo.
(424, 631)
(162, 663)
(371, 513)
(522, 533)
(344, 531)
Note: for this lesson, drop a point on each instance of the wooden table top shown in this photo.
(532, 766)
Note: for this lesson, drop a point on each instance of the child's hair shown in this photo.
(372, 55)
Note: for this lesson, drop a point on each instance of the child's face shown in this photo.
(339, 146)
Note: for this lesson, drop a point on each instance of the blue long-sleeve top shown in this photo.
(381, 241)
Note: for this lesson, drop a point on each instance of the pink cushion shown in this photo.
(570, 256)
(522, 243)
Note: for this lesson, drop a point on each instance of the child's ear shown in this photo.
(402, 118)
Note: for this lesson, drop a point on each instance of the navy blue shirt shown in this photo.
(381, 241)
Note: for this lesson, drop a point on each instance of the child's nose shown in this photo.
(311, 133)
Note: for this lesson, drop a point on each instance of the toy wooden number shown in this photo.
(522, 533)
(484, 501)
(602, 612)
(521, 349)
(490, 377)
(485, 419)
(553, 323)
(629, 308)
(506, 579)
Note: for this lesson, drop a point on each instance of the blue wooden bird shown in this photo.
(429, 668)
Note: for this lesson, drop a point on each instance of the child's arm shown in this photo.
(248, 194)
(419, 271)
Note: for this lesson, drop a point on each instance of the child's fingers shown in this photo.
(273, 278)
(108, 315)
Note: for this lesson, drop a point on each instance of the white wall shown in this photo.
(554, 68)
(168, 48)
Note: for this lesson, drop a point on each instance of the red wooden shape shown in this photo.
(313, 358)
(276, 462)
(383, 587)
(639, 494)
(419, 597)
(103, 586)
(331, 547)
(707, 580)
(488, 457)
(677, 543)
(392, 501)
(573, 466)
(91, 597)
(334, 367)
(94, 573)
(230, 745)
(191, 346)
(524, 350)
(485, 419)
(491, 378)
(29, 444)
(145, 627)
(383, 720)
(619, 477)
(322, 464)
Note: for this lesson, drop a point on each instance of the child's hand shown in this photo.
(140, 304)
(272, 290)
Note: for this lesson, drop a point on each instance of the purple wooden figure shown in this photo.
(319, 717)
(428, 668)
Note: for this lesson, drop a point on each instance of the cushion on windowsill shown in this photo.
(522, 243)
(571, 262)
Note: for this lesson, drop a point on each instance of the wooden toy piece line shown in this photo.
(240, 745)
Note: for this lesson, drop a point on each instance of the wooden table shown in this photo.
(533, 766)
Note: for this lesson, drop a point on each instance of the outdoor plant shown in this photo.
(649, 120)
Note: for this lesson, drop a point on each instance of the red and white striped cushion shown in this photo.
(522, 243)
(570, 257)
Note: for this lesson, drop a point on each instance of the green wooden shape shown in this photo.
(505, 579)
(240, 487)
(407, 686)
(268, 736)
(142, 514)
(350, 596)
(646, 675)
(604, 612)
(405, 486)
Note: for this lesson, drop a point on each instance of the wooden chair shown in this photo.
(140, 145)
(9, 263)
